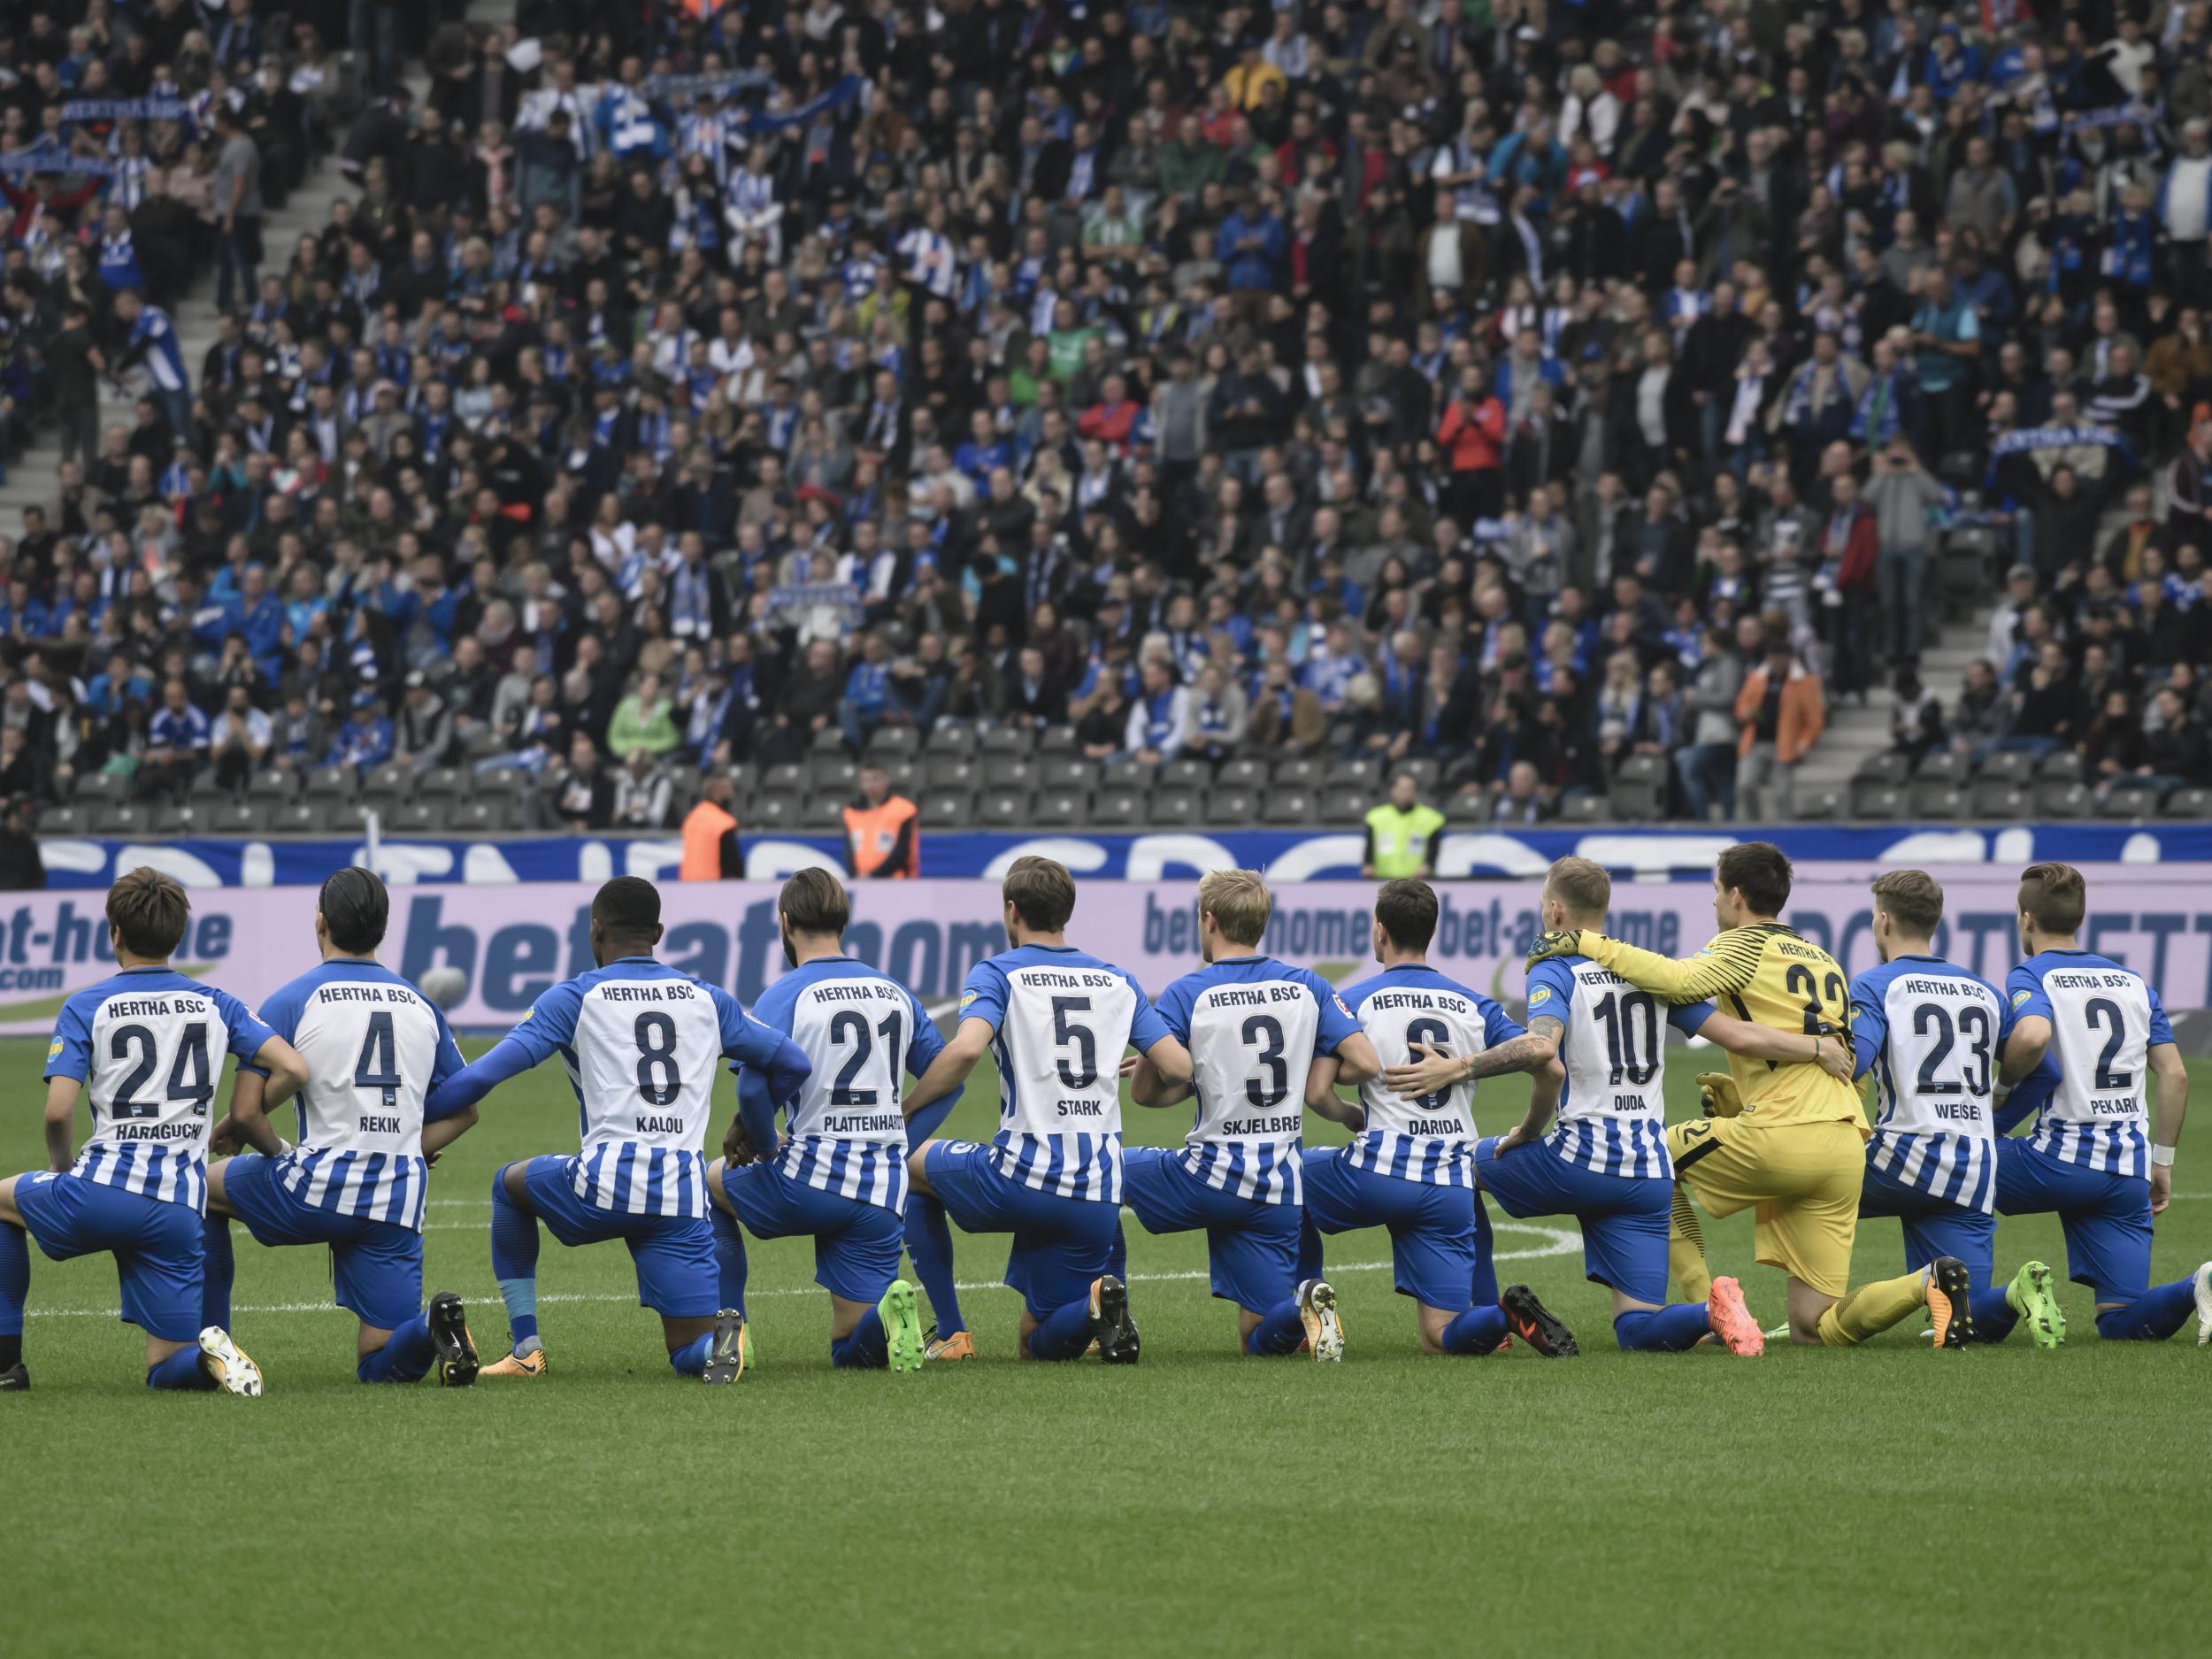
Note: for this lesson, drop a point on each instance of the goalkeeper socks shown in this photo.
(221, 1269)
(1117, 1257)
(181, 1372)
(1484, 1289)
(1872, 1309)
(405, 1356)
(2152, 1317)
(1686, 1250)
(1477, 1331)
(929, 1244)
(1065, 1334)
(515, 1264)
(1995, 1315)
(729, 1257)
(1663, 1330)
(15, 1286)
(1280, 1330)
(864, 1348)
(690, 1360)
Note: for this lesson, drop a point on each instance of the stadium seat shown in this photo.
(1243, 771)
(208, 788)
(1126, 773)
(839, 771)
(505, 783)
(415, 818)
(476, 818)
(445, 783)
(825, 808)
(235, 819)
(122, 818)
(887, 741)
(1186, 773)
(1056, 739)
(1293, 807)
(1639, 788)
(94, 787)
(2056, 798)
(191, 818)
(1941, 766)
(1061, 809)
(1117, 810)
(351, 818)
(1940, 802)
(790, 778)
(905, 773)
(484, 745)
(1425, 772)
(2129, 798)
(776, 810)
(744, 777)
(951, 737)
(1470, 807)
(1360, 773)
(953, 771)
(1062, 771)
(2001, 801)
(1004, 809)
(1582, 809)
(1006, 770)
(1298, 772)
(301, 817)
(1230, 803)
(829, 741)
(390, 781)
(948, 808)
(2061, 764)
(1882, 803)
(273, 783)
(1008, 740)
(1173, 808)
(1819, 806)
(2187, 803)
(1342, 804)
(2008, 765)
(62, 820)
(1887, 767)
(331, 783)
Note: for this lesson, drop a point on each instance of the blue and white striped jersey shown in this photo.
(1429, 1138)
(1060, 1019)
(1253, 1025)
(147, 1044)
(2088, 1087)
(1932, 1034)
(641, 1041)
(163, 357)
(861, 1029)
(1613, 1106)
(374, 1047)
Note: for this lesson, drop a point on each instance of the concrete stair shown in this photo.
(1853, 733)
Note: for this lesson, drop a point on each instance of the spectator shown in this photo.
(1780, 713)
(423, 736)
(882, 830)
(1706, 770)
(643, 791)
(1916, 721)
(240, 739)
(582, 797)
(1902, 496)
(22, 867)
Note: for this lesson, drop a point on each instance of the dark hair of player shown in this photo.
(1913, 897)
(628, 912)
(1042, 892)
(356, 909)
(2055, 897)
(1583, 887)
(149, 910)
(1759, 870)
(1407, 909)
(815, 901)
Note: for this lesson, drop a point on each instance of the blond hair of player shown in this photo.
(1793, 1151)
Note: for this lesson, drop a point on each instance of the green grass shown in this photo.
(1814, 1503)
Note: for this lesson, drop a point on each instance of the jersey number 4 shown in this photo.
(378, 1068)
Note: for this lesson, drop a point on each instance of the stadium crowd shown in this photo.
(1512, 387)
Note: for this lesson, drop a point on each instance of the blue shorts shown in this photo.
(2107, 1217)
(1624, 1217)
(676, 1273)
(160, 1247)
(1933, 1226)
(1060, 1244)
(1431, 1228)
(375, 1266)
(1251, 1246)
(857, 1244)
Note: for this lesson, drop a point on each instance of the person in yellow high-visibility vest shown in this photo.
(1401, 833)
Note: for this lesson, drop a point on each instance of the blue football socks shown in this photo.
(1280, 1332)
(864, 1348)
(220, 1269)
(15, 1277)
(405, 1356)
(1484, 1289)
(929, 1242)
(1993, 1315)
(690, 1360)
(1065, 1334)
(1117, 1258)
(181, 1370)
(515, 1263)
(730, 1266)
(1477, 1331)
(2152, 1317)
(1663, 1330)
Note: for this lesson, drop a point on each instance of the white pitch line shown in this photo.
(1558, 1241)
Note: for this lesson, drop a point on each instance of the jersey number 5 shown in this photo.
(1067, 1034)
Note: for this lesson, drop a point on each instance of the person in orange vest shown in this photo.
(710, 843)
(882, 830)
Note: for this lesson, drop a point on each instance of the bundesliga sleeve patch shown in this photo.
(1342, 1006)
(53, 1049)
(1540, 995)
(966, 997)
(2019, 998)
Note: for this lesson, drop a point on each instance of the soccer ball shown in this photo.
(445, 987)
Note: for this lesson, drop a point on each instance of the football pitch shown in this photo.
(1890, 1499)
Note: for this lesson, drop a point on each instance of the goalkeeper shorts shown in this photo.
(1801, 1181)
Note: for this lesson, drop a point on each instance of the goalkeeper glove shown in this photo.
(1717, 1094)
(1567, 942)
